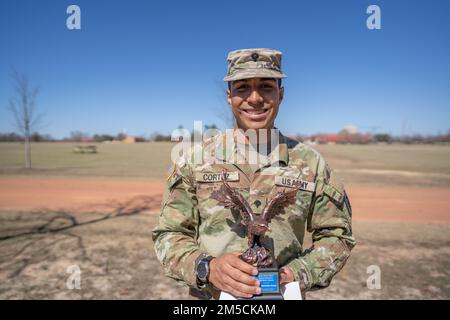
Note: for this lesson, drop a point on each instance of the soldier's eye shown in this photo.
(267, 86)
(242, 87)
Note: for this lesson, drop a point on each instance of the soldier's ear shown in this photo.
(229, 96)
(281, 94)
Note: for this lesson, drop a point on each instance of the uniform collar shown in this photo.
(229, 153)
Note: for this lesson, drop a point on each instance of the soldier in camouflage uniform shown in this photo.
(193, 227)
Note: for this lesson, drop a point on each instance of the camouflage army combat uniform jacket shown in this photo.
(191, 222)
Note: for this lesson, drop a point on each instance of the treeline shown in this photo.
(357, 138)
(79, 136)
(442, 138)
(35, 137)
(366, 138)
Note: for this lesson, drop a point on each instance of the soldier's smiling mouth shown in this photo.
(256, 114)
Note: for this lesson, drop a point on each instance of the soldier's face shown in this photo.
(255, 102)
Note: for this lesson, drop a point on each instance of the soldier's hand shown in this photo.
(286, 275)
(229, 273)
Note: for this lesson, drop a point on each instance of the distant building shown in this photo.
(350, 129)
(326, 138)
(349, 134)
(129, 139)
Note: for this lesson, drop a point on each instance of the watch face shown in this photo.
(202, 270)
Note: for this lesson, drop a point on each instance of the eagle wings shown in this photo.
(231, 199)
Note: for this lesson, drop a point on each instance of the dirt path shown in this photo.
(72, 194)
(370, 203)
(404, 204)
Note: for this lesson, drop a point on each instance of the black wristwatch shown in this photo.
(202, 269)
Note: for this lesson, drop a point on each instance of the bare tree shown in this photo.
(23, 108)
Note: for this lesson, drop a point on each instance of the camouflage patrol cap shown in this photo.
(254, 63)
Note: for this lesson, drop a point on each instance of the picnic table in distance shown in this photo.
(85, 149)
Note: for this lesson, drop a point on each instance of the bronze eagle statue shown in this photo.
(257, 225)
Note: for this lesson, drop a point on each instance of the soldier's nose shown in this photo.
(255, 98)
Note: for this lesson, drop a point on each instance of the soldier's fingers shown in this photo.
(236, 293)
(237, 285)
(236, 253)
(242, 288)
(242, 277)
(243, 266)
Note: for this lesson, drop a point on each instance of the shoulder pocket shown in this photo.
(334, 188)
(335, 192)
(173, 180)
(170, 184)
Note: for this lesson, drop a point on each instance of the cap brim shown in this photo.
(257, 73)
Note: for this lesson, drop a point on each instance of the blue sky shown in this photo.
(148, 66)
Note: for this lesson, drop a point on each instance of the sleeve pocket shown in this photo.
(334, 192)
(173, 181)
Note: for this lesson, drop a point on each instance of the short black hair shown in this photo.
(279, 83)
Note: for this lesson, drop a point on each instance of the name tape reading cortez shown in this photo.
(216, 176)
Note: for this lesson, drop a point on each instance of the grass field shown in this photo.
(142, 160)
(424, 165)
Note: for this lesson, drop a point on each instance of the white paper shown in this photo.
(290, 291)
